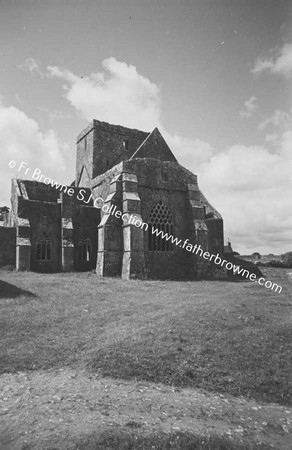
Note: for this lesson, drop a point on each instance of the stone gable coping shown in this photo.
(23, 241)
(193, 187)
(130, 177)
(22, 222)
(200, 225)
(23, 190)
(131, 196)
(67, 223)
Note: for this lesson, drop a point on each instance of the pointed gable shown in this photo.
(155, 147)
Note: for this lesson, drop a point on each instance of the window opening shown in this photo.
(164, 175)
(43, 248)
(160, 219)
(84, 250)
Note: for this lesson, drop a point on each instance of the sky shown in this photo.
(215, 76)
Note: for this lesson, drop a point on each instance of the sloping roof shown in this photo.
(154, 146)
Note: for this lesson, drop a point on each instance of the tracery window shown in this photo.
(84, 250)
(160, 223)
(43, 248)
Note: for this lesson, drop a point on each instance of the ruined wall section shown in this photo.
(85, 219)
(145, 182)
(21, 223)
(45, 220)
(110, 231)
(101, 146)
(84, 157)
(133, 236)
(79, 225)
(208, 226)
(37, 215)
(61, 217)
(165, 181)
(36, 191)
(215, 235)
(101, 185)
(7, 246)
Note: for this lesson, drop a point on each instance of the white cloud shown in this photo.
(122, 96)
(191, 153)
(280, 122)
(250, 185)
(21, 140)
(279, 119)
(262, 65)
(280, 63)
(250, 106)
(32, 66)
(252, 188)
(117, 95)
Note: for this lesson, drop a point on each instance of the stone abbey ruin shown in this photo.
(52, 230)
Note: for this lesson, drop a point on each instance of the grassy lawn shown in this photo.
(178, 441)
(221, 336)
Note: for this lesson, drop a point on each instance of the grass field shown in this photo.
(224, 337)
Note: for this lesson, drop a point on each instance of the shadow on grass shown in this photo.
(8, 290)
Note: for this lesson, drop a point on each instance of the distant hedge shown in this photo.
(284, 263)
(287, 259)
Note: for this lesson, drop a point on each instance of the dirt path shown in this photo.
(53, 408)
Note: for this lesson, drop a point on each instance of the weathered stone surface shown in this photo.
(7, 246)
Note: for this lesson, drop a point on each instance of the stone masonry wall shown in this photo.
(7, 246)
(152, 188)
(84, 158)
(101, 146)
(170, 183)
(45, 218)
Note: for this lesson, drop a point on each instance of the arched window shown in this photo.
(160, 226)
(43, 248)
(84, 250)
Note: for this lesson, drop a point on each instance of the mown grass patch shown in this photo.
(226, 337)
(122, 440)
